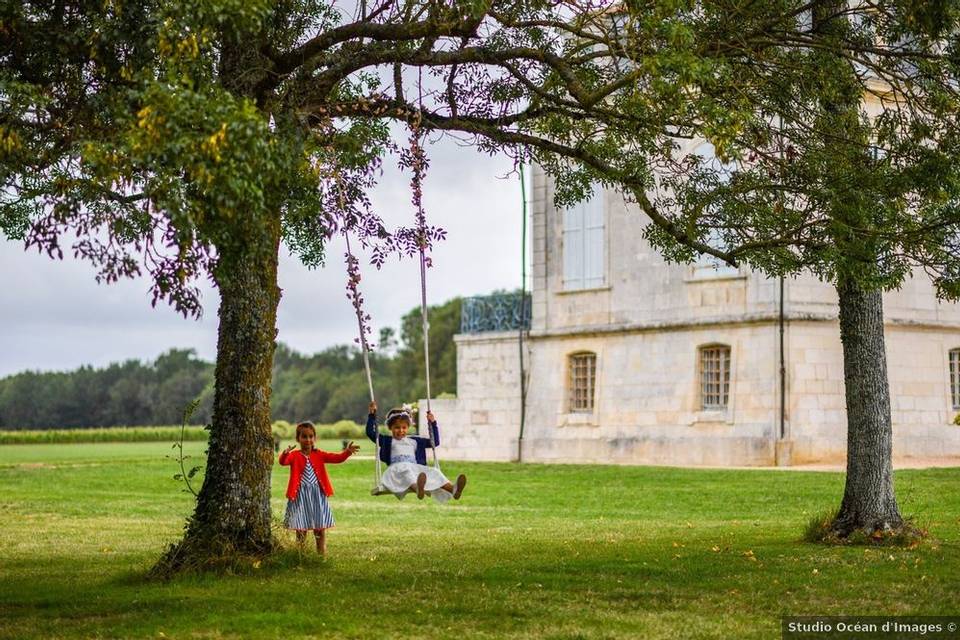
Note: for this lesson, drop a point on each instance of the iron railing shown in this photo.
(495, 312)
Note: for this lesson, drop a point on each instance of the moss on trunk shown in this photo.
(232, 519)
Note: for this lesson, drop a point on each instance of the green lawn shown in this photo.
(533, 551)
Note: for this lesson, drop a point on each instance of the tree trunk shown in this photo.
(868, 499)
(232, 518)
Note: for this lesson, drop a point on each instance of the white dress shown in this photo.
(404, 470)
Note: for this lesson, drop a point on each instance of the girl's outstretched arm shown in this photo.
(340, 456)
(285, 455)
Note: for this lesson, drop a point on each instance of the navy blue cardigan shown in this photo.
(423, 442)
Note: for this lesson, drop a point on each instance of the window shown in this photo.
(583, 377)
(707, 266)
(583, 240)
(714, 377)
(955, 377)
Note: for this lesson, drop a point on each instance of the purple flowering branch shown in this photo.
(347, 211)
(418, 164)
(408, 241)
(356, 297)
(349, 217)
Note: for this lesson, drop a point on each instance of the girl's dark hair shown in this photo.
(399, 414)
(304, 426)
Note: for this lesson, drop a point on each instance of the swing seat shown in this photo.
(379, 490)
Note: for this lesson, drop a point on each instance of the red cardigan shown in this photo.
(297, 461)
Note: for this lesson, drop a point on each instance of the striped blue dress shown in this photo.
(310, 509)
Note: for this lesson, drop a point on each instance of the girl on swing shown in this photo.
(406, 458)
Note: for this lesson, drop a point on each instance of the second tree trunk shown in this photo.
(869, 502)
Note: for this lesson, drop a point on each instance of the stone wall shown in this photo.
(645, 325)
(647, 407)
(921, 405)
(647, 403)
(483, 422)
(640, 288)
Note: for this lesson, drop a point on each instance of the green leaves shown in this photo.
(186, 130)
(186, 475)
(844, 139)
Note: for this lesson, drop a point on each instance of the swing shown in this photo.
(354, 276)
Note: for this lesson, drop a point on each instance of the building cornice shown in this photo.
(723, 321)
(729, 320)
(667, 325)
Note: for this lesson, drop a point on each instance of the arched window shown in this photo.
(714, 377)
(582, 371)
(955, 377)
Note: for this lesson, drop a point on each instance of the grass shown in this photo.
(532, 551)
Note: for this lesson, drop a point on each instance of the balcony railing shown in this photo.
(496, 312)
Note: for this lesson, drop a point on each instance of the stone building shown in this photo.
(630, 359)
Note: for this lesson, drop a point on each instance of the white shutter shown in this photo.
(593, 241)
(706, 265)
(583, 243)
(573, 247)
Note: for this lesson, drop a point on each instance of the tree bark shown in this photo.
(869, 502)
(232, 518)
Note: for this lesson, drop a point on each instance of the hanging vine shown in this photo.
(347, 224)
(410, 241)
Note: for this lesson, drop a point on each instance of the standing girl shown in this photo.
(406, 458)
(309, 486)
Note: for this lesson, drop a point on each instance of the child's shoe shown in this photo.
(458, 488)
(421, 483)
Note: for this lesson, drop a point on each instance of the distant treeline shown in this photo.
(324, 387)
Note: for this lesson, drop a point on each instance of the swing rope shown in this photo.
(353, 271)
(426, 338)
(418, 165)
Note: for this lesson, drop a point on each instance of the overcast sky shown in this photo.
(54, 316)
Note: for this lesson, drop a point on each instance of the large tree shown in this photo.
(843, 162)
(185, 140)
